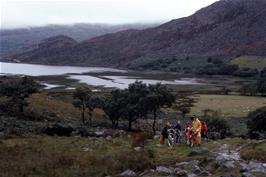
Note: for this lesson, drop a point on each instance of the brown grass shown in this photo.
(42, 102)
(254, 151)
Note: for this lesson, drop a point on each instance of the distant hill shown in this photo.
(17, 40)
(224, 29)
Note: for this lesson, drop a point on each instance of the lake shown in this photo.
(77, 73)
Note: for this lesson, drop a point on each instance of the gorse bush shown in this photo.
(216, 123)
(256, 122)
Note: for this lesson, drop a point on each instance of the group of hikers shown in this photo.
(193, 132)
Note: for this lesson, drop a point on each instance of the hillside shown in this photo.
(15, 40)
(224, 29)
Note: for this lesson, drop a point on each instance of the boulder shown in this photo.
(180, 173)
(137, 148)
(109, 138)
(128, 173)
(162, 169)
(256, 167)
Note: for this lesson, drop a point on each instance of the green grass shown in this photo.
(258, 62)
(228, 105)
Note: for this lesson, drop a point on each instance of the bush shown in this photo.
(246, 72)
(217, 125)
(256, 122)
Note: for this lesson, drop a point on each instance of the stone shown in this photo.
(162, 169)
(180, 173)
(156, 137)
(137, 148)
(198, 150)
(128, 173)
(86, 149)
(192, 175)
(205, 173)
(109, 138)
(228, 175)
(256, 167)
(181, 163)
(99, 133)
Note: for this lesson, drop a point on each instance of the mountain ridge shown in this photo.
(224, 29)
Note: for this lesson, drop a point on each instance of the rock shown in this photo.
(162, 169)
(256, 167)
(181, 163)
(109, 138)
(192, 175)
(99, 133)
(205, 173)
(128, 173)
(198, 150)
(137, 148)
(247, 175)
(226, 158)
(156, 137)
(228, 175)
(144, 173)
(194, 162)
(86, 149)
(180, 173)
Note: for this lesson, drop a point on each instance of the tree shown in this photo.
(261, 83)
(112, 106)
(183, 105)
(18, 90)
(82, 96)
(159, 96)
(92, 103)
(134, 103)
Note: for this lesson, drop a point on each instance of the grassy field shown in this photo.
(41, 156)
(44, 156)
(228, 105)
(258, 62)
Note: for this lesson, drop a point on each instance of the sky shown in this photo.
(26, 13)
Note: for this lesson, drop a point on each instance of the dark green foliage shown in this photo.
(18, 90)
(112, 106)
(159, 96)
(216, 123)
(183, 104)
(257, 121)
(261, 84)
(246, 72)
(136, 102)
(217, 68)
(248, 89)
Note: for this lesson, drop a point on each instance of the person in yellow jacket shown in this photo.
(196, 127)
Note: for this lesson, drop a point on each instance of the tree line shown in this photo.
(135, 102)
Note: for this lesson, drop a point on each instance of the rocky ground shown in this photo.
(143, 155)
(216, 164)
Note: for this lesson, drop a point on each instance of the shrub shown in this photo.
(217, 124)
(256, 122)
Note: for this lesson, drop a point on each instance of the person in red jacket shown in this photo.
(204, 130)
(189, 135)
